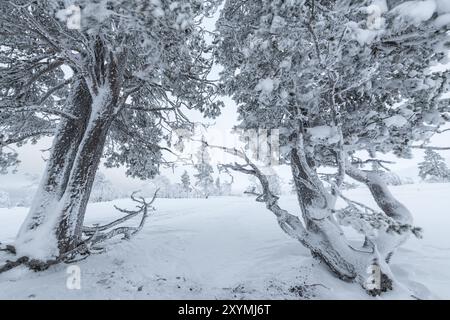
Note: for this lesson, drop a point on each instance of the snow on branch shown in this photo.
(38, 108)
(20, 138)
(96, 235)
(366, 220)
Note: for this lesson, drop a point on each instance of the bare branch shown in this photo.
(143, 208)
(38, 108)
(430, 147)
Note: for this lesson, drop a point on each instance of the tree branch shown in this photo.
(430, 147)
(143, 208)
(38, 108)
(24, 137)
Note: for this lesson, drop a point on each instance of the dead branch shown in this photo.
(12, 264)
(96, 235)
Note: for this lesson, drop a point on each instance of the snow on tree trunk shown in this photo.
(34, 238)
(57, 215)
(316, 211)
(387, 242)
(83, 173)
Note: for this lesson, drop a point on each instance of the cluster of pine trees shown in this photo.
(334, 77)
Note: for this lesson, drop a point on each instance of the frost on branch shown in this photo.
(368, 222)
(97, 234)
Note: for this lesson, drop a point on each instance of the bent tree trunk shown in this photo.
(333, 248)
(53, 225)
(320, 232)
(326, 239)
(325, 236)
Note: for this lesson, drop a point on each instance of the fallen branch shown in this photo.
(96, 235)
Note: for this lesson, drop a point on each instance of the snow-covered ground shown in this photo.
(232, 248)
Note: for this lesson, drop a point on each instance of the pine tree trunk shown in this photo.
(327, 242)
(80, 184)
(54, 181)
(54, 224)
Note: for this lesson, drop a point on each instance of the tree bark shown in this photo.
(81, 180)
(54, 181)
(54, 224)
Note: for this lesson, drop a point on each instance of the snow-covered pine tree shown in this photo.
(111, 87)
(204, 179)
(434, 168)
(186, 183)
(337, 77)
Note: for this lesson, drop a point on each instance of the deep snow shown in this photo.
(232, 248)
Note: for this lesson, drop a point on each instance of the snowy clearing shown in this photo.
(232, 248)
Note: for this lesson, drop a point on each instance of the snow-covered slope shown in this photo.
(232, 248)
